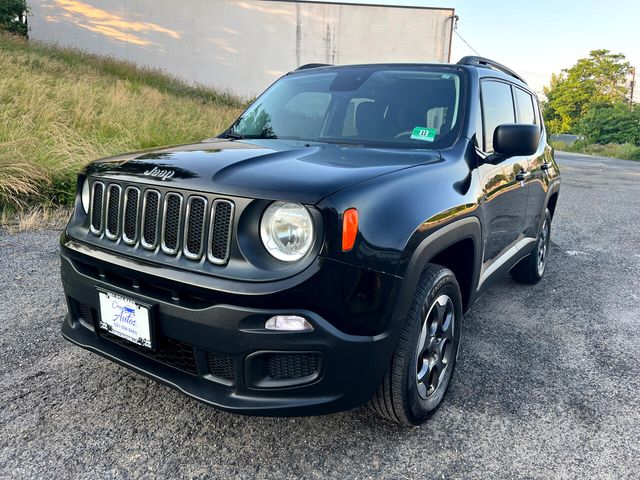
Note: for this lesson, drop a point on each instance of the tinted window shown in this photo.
(538, 117)
(524, 104)
(404, 106)
(497, 108)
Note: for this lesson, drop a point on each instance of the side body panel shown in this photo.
(408, 217)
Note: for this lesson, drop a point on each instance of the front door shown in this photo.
(503, 206)
(504, 198)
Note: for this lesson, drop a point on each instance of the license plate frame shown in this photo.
(127, 318)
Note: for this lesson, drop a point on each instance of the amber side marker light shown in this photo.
(349, 228)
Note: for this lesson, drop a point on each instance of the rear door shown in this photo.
(536, 181)
(503, 196)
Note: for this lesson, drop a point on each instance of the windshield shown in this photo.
(411, 107)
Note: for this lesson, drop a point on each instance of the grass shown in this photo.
(61, 108)
(625, 151)
(35, 218)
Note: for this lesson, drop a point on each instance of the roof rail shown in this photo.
(313, 65)
(487, 63)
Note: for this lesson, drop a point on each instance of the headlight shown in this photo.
(287, 231)
(85, 195)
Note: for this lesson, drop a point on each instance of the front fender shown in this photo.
(432, 245)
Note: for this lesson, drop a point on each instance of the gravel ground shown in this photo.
(548, 382)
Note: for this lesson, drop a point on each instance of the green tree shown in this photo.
(596, 80)
(13, 17)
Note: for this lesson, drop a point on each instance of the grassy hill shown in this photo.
(61, 108)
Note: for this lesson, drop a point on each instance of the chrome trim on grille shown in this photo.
(185, 248)
(125, 203)
(212, 226)
(143, 214)
(165, 205)
(128, 214)
(91, 206)
(107, 233)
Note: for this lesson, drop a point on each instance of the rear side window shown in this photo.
(524, 106)
(497, 108)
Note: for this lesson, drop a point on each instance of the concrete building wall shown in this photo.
(242, 45)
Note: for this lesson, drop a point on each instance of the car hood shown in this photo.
(269, 169)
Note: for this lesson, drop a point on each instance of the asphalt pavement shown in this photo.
(547, 384)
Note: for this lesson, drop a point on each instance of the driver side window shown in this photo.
(497, 108)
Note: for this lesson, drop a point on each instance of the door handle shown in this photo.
(523, 176)
(545, 166)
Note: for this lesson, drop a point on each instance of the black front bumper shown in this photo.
(220, 353)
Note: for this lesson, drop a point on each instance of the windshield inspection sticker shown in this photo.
(424, 133)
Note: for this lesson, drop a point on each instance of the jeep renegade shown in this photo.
(320, 253)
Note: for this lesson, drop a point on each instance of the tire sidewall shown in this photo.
(419, 407)
(533, 264)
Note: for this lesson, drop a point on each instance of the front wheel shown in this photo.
(531, 268)
(424, 359)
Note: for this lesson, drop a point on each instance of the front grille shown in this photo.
(130, 221)
(220, 231)
(221, 366)
(281, 366)
(97, 199)
(150, 215)
(113, 211)
(194, 231)
(171, 220)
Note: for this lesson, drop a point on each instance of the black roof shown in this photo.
(484, 66)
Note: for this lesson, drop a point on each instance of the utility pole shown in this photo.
(632, 71)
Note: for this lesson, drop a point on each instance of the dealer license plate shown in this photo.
(125, 318)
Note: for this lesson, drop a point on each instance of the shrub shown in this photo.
(13, 17)
(605, 124)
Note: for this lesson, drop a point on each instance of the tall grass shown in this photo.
(60, 109)
(624, 151)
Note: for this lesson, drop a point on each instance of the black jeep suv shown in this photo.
(320, 253)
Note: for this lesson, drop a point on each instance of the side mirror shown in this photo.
(513, 140)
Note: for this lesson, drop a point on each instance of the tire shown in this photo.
(531, 268)
(425, 357)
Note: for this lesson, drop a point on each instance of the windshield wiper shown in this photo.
(233, 136)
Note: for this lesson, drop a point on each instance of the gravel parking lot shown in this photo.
(548, 382)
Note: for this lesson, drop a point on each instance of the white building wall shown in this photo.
(242, 45)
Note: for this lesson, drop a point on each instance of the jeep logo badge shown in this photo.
(161, 174)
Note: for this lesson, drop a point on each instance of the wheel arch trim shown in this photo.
(432, 245)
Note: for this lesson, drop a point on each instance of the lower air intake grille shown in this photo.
(281, 366)
(83, 311)
(221, 366)
(169, 351)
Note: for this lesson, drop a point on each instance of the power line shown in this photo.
(466, 43)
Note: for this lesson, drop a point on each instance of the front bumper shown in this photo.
(220, 353)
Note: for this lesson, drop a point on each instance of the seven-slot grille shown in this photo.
(171, 221)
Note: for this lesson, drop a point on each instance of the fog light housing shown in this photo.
(288, 323)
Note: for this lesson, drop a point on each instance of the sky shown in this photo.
(538, 38)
